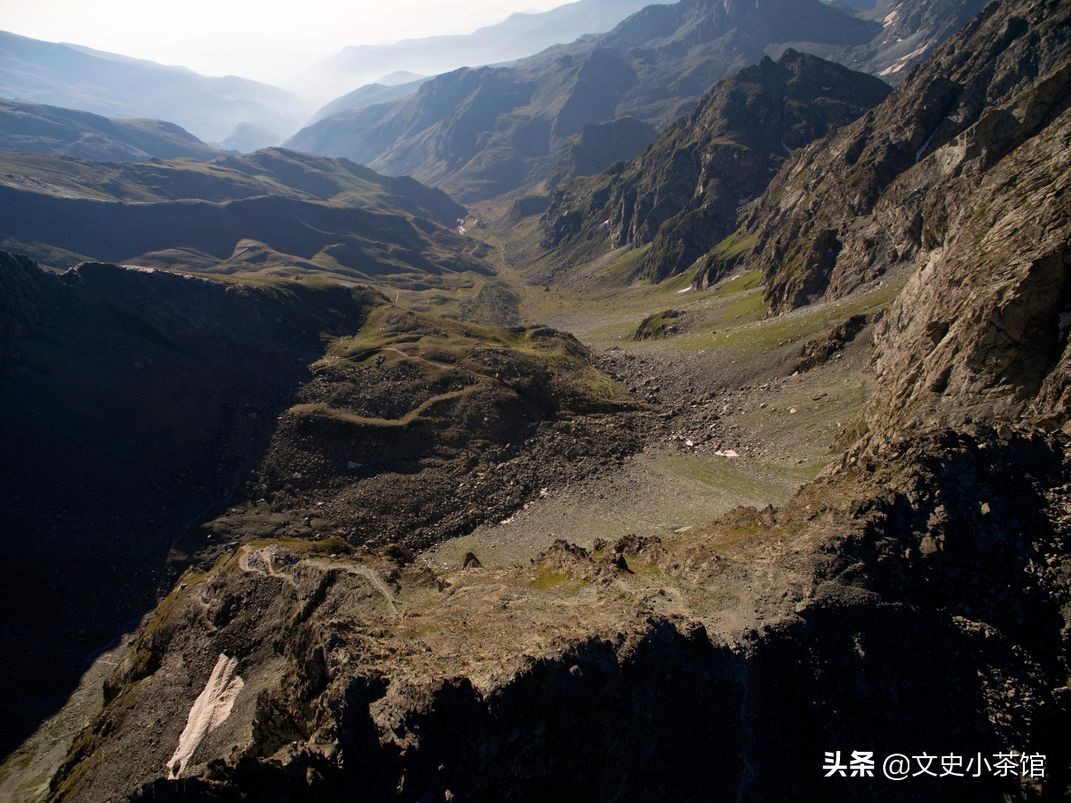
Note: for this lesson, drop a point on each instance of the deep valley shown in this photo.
(653, 416)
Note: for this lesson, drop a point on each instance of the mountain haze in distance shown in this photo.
(36, 128)
(518, 36)
(108, 84)
(367, 95)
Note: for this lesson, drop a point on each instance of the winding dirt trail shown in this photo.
(262, 561)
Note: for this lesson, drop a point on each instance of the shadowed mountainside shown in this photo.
(132, 405)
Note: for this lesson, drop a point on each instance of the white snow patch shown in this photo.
(210, 710)
(925, 145)
(902, 62)
(732, 454)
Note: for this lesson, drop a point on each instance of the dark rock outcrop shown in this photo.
(822, 349)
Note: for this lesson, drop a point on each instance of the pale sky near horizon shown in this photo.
(268, 40)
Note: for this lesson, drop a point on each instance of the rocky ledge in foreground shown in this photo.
(886, 608)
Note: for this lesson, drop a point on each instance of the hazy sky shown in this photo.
(263, 39)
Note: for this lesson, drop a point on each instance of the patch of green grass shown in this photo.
(751, 306)
(769, 335)
(659, 325)
(726, 539)
(729, 476)
(320, 548)
(18, 760)
(550, 580)
(735, 245)
(739, 284)
(804, 473)
(326, 412)
(622, 269)
(673, 285)
(642, 568)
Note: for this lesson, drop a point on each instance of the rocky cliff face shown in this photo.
(982, 326)
(876, 195)
(683, 194)
(910, 32)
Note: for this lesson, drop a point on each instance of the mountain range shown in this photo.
(683, 193)
(848, 209)
(369, 95)
(483, 132)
